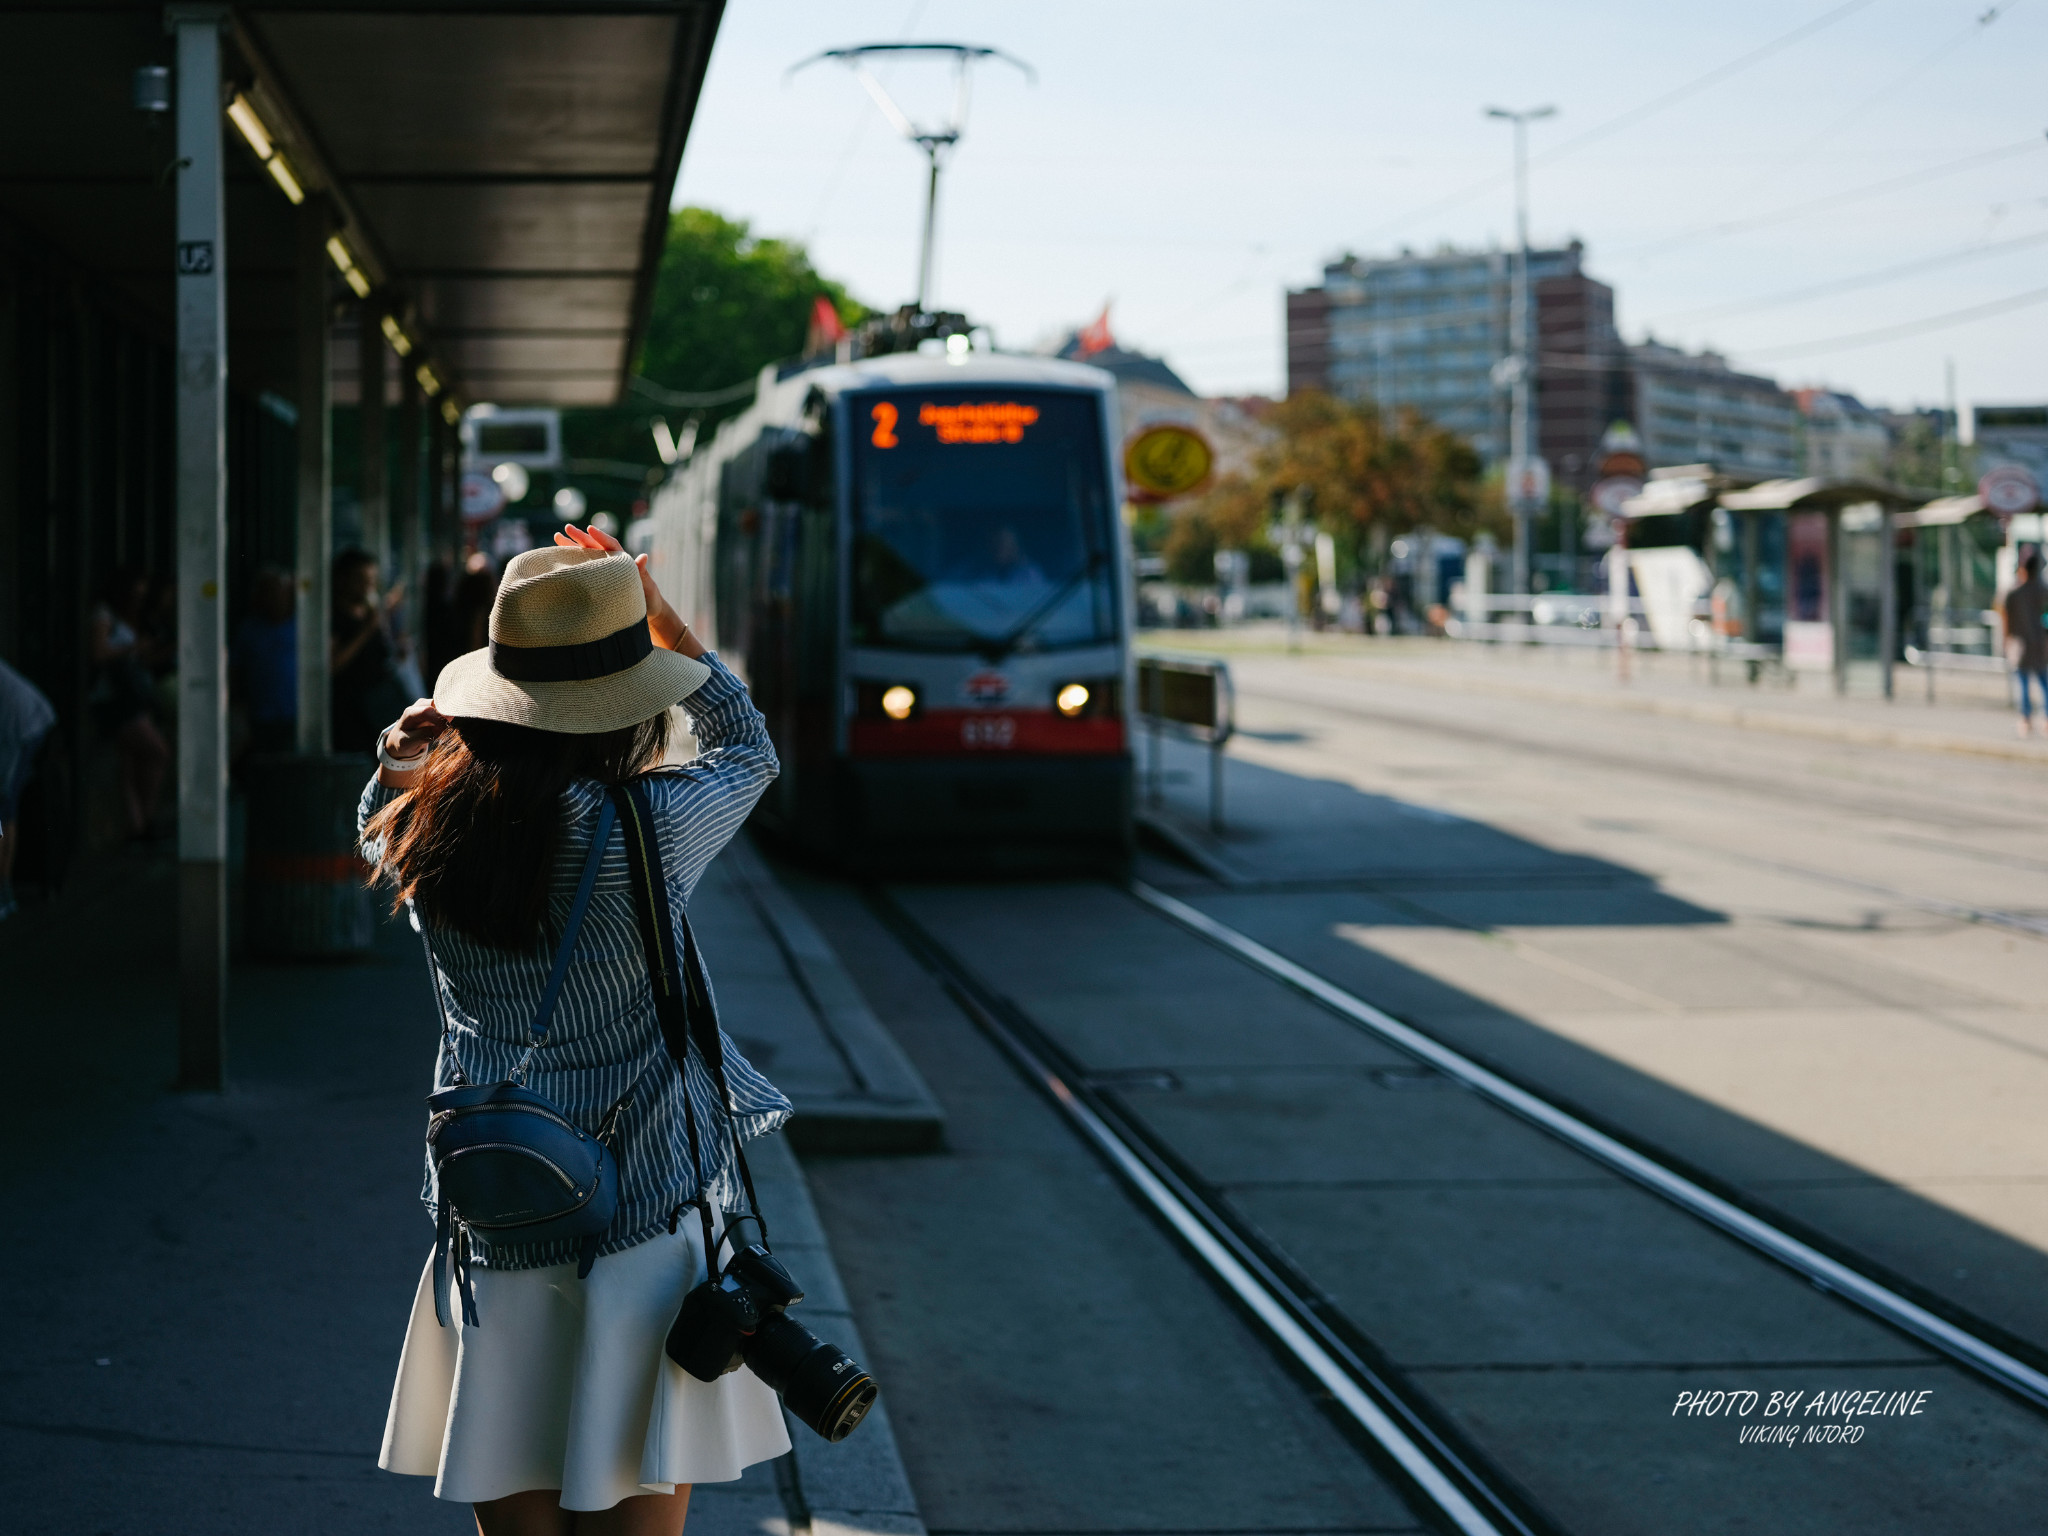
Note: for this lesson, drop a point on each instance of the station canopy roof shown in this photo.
(500, 171)
(1816, 493)
(1944, 512)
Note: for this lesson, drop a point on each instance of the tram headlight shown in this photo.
(899, 702)
(1071, 700)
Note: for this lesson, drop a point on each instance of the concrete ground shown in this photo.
(1970, 712)
(205, 1316)
(1806, 964)
(1817, 969)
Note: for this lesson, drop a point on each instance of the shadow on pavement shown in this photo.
(1287, 832)
(1368, 863)
(213, 1288)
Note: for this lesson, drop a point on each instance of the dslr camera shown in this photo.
(741, 1317)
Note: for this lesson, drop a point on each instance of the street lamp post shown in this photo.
(1518, 367)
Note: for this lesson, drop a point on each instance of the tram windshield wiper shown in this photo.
(996, 650)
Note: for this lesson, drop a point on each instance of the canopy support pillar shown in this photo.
(315, 317)
(201, 457)
(373, 484)
(1887, 597)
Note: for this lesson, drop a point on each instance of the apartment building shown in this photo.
(1427, 332)
(1692, 408)
(1841, 437)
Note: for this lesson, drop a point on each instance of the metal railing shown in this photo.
(1583, 619)
(1193, 697)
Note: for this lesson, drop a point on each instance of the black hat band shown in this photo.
(573, 663)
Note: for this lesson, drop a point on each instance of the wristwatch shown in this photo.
(397, 764)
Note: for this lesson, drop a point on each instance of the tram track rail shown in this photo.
(1440, 1471)
(1397, 1423)
(1967, 1346)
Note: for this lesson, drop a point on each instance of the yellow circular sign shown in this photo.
(1168, 460)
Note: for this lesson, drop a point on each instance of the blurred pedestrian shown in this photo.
(266, 662)
(474, 596)
(438, 634)
(366, 690)
(124, 655)
(529, 1386)
(25, 719)
(2025, 610)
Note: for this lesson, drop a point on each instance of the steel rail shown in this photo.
(1435, 1471)
(1958, 1343)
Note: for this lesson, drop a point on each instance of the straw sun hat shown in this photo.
(570, 650)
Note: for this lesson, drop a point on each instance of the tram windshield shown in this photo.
(981, 521)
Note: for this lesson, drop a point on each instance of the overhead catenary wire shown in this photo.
(1834, 200)
(1785, 160)
(1908, 328)
(685, 400)
(854, 136)
(1634, 114)
(1861, 280)
(1712, 77)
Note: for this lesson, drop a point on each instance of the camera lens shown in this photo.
(819, 1382)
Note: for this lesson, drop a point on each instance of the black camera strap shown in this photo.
(682, 996)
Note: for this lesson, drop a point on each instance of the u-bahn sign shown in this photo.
(482, 498)
(2008, 490)
(1167, 461)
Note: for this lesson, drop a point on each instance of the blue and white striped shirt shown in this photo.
(605, 1039)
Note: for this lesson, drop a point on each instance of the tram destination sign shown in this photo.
(969, 421)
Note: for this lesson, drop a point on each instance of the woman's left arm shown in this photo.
(707, 798)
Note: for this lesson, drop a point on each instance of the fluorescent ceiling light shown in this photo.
(345, 261)
(451, 412)
(245, 118)
(282, 175)
(395, 334)
(427, 380)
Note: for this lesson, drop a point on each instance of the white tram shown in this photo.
(916, 561)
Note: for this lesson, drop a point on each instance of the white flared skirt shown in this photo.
(563, 1384)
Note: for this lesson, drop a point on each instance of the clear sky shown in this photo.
(1189, 161)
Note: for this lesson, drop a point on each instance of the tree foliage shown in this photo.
(1368, 479)
(727, 301)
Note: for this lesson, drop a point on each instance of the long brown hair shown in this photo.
(473, 843)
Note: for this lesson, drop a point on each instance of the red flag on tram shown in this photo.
(826, 328)
(1096, 337)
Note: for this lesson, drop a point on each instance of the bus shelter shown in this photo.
(1954, 553)
(1815, 561)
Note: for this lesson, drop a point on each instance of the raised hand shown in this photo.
(416, 729)
(663, 622)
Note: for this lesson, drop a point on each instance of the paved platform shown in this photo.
(210, 1291)
(1967, 713)
(805, 1023)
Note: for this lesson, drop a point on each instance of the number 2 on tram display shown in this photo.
(885, 425)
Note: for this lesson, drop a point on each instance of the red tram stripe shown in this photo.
(986, 733)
